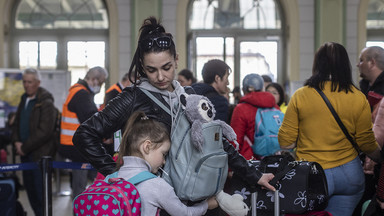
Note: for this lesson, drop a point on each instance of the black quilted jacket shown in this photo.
(113, 117)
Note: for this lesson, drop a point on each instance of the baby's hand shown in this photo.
(212, 203)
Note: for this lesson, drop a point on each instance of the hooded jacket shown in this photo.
(113, 117)
(243, 119)
(41, 139)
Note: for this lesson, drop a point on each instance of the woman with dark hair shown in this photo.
(310, 127)
(153, 69)
(186, 78)
(278, 92)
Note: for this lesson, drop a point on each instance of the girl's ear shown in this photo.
(146, 147)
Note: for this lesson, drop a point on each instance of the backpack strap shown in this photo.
(157, 101)
(143, 176)
(111, 176)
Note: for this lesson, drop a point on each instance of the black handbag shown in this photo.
(302, 186)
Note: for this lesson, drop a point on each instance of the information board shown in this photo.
(11, 88)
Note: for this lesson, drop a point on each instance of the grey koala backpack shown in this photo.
(195, 172)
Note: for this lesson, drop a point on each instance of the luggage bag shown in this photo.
(301, 186)
(276, 209)
(7, 197)
(9, 204)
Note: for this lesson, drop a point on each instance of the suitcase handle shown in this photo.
(276, 205)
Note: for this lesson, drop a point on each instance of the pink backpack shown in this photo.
(113, 196)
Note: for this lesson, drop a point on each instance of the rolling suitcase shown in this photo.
(276, 210)
(7, 197)
(9, 190)
(9, 205)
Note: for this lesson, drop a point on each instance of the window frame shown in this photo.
(240, 35)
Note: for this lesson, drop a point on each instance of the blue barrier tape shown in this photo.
(71, 165)
(55, 164)
(22, 166)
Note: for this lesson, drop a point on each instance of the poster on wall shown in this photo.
(11, 88)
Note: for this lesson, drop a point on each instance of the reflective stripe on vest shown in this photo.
(69, 120)
(116, 87)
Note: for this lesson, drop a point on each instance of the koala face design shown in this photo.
(197, 108)
(205, 110)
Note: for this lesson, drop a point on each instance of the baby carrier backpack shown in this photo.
(267, 124)
(195, 175)
(111, 196)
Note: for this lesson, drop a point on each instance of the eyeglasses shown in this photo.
(162, 42)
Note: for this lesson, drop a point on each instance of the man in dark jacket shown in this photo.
(215, 76)
(77, 108)
(371, 67)
(33, 134)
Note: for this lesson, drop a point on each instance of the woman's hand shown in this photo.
(369, 166)
(265, 179)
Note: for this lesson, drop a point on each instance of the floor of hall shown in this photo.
(61, 190)
(61, 198)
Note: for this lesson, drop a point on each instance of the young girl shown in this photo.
(145, 144)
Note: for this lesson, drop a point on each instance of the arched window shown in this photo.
(66, 35)
(375, 23)
(246, 34)
(57, 14)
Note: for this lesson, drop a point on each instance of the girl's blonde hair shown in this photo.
(138, 129)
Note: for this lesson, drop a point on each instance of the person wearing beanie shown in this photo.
(243, 117)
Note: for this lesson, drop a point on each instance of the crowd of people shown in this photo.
(309, 128)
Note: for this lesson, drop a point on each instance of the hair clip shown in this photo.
(144, 118)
